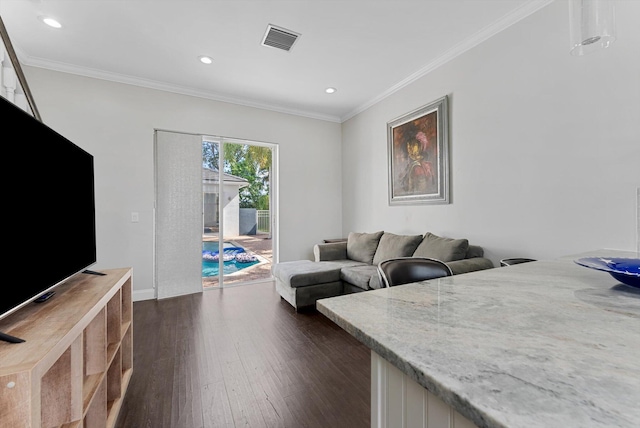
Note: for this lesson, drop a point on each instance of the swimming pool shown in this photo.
(211, 268)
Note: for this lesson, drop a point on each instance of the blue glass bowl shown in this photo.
(625, 270)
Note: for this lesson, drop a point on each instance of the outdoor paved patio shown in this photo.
(259, 244)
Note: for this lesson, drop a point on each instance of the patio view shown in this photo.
(245, 254)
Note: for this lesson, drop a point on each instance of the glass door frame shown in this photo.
(273, 196)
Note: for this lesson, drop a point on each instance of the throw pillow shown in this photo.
(392, 246)
(444, 249)
(362, 246)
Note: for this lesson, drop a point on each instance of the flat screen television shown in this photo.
(49, 229)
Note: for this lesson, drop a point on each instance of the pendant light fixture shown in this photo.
(591, 24)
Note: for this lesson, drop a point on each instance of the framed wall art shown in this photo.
(418, 151)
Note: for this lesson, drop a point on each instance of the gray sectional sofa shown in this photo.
(350, 266)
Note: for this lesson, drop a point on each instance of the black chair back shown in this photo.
(404, 270)
(515, 261)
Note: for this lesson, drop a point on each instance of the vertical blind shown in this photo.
(178, 216)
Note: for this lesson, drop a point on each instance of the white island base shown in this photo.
(399, 401)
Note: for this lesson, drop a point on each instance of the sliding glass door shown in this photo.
(238, 211)
(215, 216)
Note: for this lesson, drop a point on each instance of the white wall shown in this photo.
(115, 123)
(545, 147)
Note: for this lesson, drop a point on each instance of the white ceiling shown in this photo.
(365, 49)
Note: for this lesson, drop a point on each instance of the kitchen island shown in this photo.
(536, 345)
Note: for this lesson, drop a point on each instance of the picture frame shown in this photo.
(22, 88)
(418, 155)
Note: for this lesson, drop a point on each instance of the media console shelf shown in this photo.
(77, 359)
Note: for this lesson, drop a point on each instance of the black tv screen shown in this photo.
(49, 208)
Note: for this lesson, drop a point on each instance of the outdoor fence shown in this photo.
(264, 221)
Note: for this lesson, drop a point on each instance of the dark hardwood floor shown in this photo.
(242, 357)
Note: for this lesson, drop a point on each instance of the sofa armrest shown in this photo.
(470, 265)
(330, 251)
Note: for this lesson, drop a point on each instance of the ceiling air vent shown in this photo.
(279, 38)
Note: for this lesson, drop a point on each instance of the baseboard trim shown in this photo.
(148, 294)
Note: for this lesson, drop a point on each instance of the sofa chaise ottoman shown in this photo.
(351, 266)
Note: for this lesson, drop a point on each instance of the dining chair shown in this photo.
(515, 261)
(403, 270)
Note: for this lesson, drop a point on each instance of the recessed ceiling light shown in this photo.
(205, 59)
(330, 90)
(50, 22)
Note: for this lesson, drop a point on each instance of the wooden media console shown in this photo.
(77, 359)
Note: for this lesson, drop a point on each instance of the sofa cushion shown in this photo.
(330, 251)
(474, 251)
(300, 273)
(470, 265)
(444, 249)
(362, 246)
(374, 281)
(392, 246)
(360, 276)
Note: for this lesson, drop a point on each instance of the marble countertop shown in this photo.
(542, 344)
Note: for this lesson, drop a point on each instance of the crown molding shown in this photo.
(467, 44)
(152, 84)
